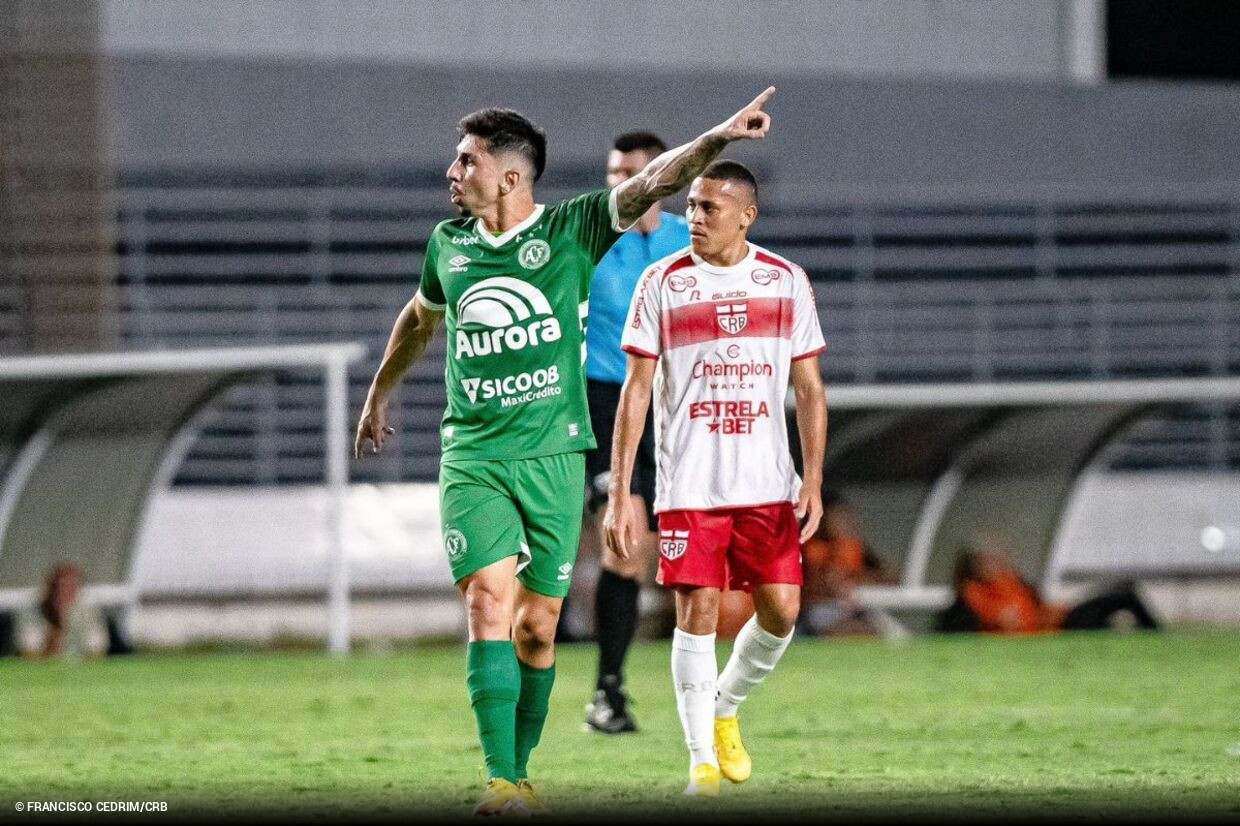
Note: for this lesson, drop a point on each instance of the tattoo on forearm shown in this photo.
(666, 175)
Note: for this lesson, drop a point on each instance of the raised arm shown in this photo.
(676, 168)
(412, 332)
(619, 521)
(812, 427)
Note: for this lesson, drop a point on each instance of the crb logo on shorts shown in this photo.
(455, 544)
(673, 544)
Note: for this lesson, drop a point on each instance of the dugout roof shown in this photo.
(85, 439)
(933, 467)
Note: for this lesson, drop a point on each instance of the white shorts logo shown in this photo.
(673, 544)
(455, 544)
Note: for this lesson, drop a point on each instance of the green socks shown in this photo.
(531, 711)
(494, 688)
(510, 701)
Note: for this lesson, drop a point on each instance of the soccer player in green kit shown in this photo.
(512, 279)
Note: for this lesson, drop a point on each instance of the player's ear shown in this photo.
(510, 181)
(748, 215)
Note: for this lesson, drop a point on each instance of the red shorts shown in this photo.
(731, 548)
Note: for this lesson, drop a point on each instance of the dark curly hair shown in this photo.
(506, 130)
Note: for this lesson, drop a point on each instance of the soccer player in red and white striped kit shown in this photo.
(717, 332)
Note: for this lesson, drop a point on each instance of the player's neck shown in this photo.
(507, 212)
(729, 256)
(649, 221)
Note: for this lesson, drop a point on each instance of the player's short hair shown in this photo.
(725, 170)
(506, 130)
(640, 142)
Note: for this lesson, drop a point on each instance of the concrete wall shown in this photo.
(833, 138)
(271, 544)
(57, 211)
(1025, 39)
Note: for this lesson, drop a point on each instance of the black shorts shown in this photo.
(604, 399)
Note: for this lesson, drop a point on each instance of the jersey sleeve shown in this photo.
(593, 219)
(806, 329)
(430, 291)
(643, 328)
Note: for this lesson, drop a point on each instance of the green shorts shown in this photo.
(491, 510)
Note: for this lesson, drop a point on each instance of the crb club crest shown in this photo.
(764, 277)
(732, 318)
(673, 544)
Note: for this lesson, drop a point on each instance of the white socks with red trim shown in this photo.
(694, 675)
(753, 656)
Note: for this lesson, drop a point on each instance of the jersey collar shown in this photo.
(499, 240)
(705, 266)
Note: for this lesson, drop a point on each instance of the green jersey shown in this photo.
(515, 309)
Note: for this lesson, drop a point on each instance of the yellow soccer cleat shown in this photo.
(531, 798)
(734, 762)
(703, 781)
(502, 797)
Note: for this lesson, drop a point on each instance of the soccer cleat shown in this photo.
(608, 713)
(734, 762)
(532, 800)
(502, 797)
(703, 781)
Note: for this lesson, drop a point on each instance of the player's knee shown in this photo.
(697, 612)
(487, 610)
(535, 629)
(779, 617)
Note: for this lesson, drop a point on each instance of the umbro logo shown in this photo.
(458, 263)
(566, 571)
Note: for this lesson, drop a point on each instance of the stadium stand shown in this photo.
(948, 290)
(1047, 289)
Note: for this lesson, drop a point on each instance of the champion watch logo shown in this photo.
(732, 318)
(514, 314)
(673, 544)
(534, 253)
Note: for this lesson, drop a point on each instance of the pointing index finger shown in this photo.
(762, 98)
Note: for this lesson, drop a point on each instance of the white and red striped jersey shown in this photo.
(725, 339)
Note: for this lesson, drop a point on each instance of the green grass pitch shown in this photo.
(1084, 725)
